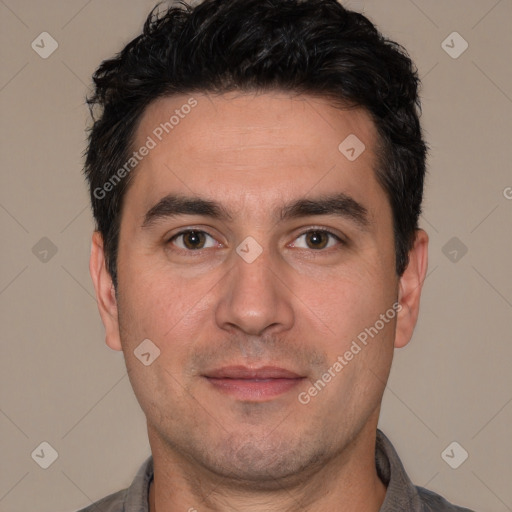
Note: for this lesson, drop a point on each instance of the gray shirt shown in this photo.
(401, 494)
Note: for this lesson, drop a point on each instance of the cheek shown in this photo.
(350, 305)
(151, 309)
(349, 299)
(164, 307)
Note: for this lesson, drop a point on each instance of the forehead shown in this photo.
(243, 147)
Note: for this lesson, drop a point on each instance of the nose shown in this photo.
(255, 298)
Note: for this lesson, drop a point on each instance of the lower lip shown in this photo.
(254, 389)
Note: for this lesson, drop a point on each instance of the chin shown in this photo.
(264, 465)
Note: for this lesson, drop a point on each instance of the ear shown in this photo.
(409, 289)
(105, 292)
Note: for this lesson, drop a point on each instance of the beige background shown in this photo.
(62, 385)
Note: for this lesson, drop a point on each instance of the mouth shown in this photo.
(253, 384)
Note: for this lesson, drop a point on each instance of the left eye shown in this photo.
(193, 240)
(317, 239)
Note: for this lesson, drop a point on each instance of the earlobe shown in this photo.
(105, 293)
(410, 286)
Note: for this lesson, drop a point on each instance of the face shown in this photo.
(255, 256)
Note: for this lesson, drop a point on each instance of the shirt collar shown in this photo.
(401, 494)
(137, 495)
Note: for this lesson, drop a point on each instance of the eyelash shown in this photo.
(340, 241)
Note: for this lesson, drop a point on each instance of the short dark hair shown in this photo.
(314, 47)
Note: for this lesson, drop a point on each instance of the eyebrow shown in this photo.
(340, 205)
(174, 205)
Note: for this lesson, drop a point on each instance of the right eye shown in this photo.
(192, 240)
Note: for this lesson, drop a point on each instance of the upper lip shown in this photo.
(243, 372)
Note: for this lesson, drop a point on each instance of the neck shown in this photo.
(347, 481)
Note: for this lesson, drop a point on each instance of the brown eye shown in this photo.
(192, 240)
(317, 239)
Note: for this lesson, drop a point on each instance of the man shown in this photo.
(256, 174)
